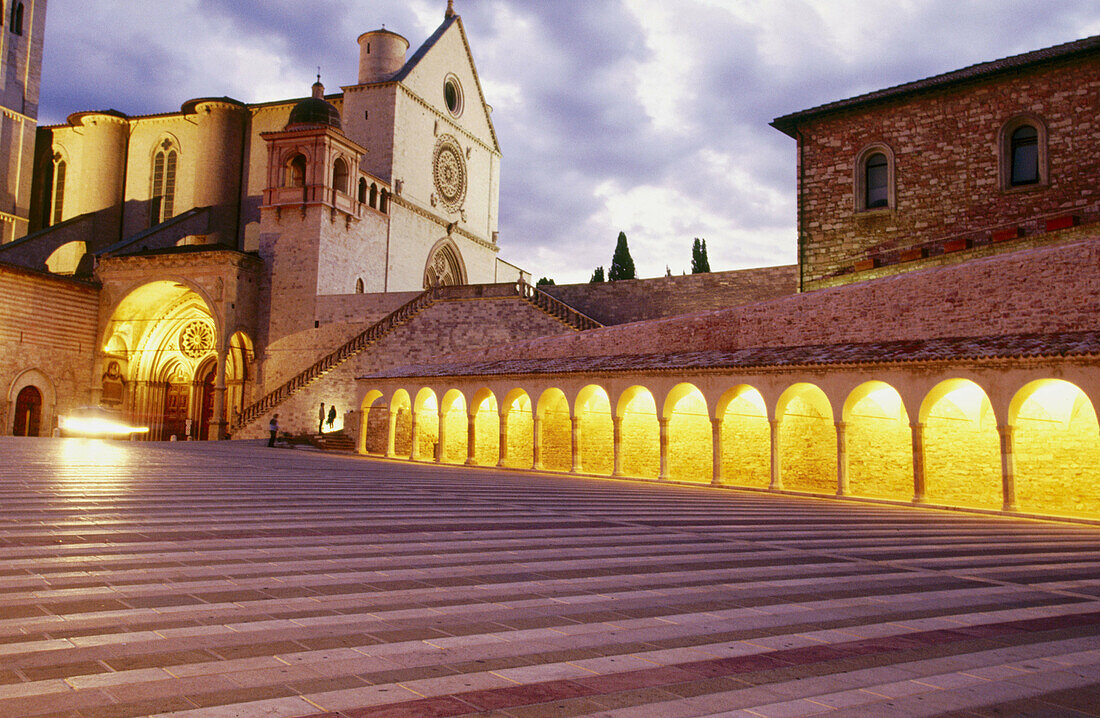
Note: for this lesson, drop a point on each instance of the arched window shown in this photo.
(340, 176)
(362, 190)
(359, 285)
(53, 205)
(874, 178)
(374, 196)
(383, 201)
(296, 172)
(17, 18)
(163, 195)
(1025, 156)
(1023, 152)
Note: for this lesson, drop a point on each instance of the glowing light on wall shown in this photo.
(746, 437)
(597, 432)
(961, 447)
(880, 446)
(691, 456)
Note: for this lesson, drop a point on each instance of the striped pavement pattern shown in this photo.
(228, 580)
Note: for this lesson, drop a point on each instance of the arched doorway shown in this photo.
(28, 412)
(206, 399)
(445, 267)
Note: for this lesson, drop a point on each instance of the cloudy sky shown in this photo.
(646, 116)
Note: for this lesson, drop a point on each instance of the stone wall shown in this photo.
(365, 308)
(632, 300)
(443, 327)
(47, 340)
(1048, 289)
(947, 150)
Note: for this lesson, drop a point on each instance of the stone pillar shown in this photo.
(617, 440)
(842, 459)
(219, 397)
(919, 491)
(471, 440)
(414, 431)
(536, 442)
(1008, 465)
(391, 433)
(442, 436)
(716, 444)
(663, 424)
(777, 470)
(575, 443)
(503, 419)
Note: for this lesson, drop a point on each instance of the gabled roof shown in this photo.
(424, 49)
(1089, 45)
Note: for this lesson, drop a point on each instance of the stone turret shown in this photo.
(381, 55)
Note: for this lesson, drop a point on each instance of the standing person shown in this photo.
(331, 416)
(321, 419)
(273, 427)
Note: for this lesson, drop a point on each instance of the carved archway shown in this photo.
(445, 266)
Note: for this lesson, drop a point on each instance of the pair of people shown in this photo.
(321, 418)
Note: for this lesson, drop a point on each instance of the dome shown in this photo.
(315, 110)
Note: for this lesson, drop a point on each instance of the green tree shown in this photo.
(622, 266)
(544, 281)
(597, 276)
(699, 262)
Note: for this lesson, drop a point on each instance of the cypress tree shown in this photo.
(699, 262)
(597, 276)
(622, 266)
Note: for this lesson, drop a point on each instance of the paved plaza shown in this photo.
(231, 580)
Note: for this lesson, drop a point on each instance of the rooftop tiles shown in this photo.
(207, 580)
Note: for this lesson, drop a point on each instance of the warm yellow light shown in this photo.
(97, 426)
(1051, 398)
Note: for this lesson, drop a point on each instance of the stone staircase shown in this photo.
(372, 334)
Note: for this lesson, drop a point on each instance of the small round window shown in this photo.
(452, 95)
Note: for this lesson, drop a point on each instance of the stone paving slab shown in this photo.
(228, 579)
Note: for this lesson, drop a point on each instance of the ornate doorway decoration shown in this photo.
(444, 267)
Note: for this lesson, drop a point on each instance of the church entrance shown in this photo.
(28, 412)
(175, 412)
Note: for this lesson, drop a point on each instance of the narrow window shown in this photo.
(17, 18)
(340, 176)
(58, 192)
(359, 286)
(163, 196)
(362, 190)
(1025, 156)
(296, 172)
(876, 182)
(373, 196)
(382, 202)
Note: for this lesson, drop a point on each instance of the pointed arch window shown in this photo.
(58, 195)
(359, 285)
(17, 18)
(340, 175)
(162, 204)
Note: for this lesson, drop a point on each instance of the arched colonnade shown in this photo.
(1019, 439)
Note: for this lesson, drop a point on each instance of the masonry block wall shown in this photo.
(47, 340)
(445, 326)
(1039, 290)
(947, 152)
(633, 300)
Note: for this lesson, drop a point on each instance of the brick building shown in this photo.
(990, 158)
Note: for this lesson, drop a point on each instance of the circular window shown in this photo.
(196, 339)
(452, 95)
(449, 172)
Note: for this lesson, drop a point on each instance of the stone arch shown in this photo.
(166, 328)
(596, 430)
(640, 448)
(426, 434)
(555, 429)
(296, 168)
(452, 428)
(879, 442)
(47, 406)
(1056, 448)
(374, 424)
(340, 175)
(807, 439)
(962, 464)
(400, 428)
(690, 436)
(444, 266)
(361, 194)
(66, 258)
(746, 436)
(518, 422)
(486, 417)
